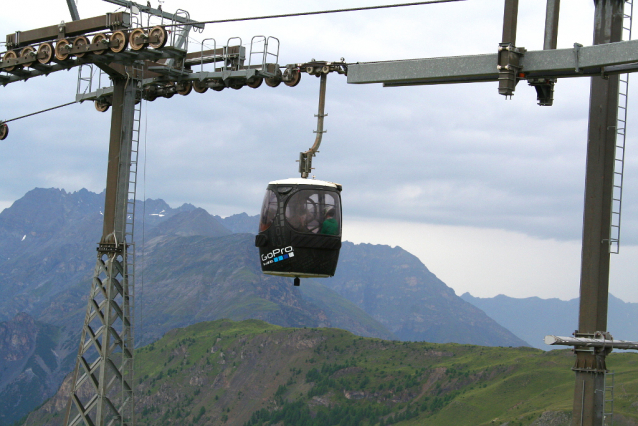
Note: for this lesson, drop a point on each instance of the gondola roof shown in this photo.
(300, 181)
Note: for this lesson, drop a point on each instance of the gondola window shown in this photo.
(314, 211)
(268, 210)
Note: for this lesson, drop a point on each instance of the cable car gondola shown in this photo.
(300, 224)
(300, 229)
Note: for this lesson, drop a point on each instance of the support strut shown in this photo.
(305, 158)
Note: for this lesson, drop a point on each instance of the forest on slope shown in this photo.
(252, 373)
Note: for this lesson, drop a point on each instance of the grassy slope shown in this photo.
(222, 372)
(341, 310)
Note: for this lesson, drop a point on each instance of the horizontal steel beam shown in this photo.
(242, 74)
(582, 342)
(115, 61)
(74, 28)
(576, 62)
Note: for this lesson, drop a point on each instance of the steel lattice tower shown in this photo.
(102, 386)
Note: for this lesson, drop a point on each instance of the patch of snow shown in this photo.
(25, 236)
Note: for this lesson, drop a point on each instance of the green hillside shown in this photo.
(253, 373)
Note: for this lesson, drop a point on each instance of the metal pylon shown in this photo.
(102, 386)
(621, 134)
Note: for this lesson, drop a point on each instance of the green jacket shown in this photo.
(329, 227)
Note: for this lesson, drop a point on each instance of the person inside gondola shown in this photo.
(329, 225)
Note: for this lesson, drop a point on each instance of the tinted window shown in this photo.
(268, 210)
(314, 211)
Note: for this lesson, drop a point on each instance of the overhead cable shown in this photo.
(321, 12)
(39, 112)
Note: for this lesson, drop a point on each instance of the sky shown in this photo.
(488, 193)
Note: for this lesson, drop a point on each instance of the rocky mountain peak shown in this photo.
(190, 223)
(17, 338)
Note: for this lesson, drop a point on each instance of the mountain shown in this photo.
(47, 245)
(396, 289)
(534, 318)
(191, 268)
(187, 252)
(199, 278)
(32, 365)
(240, 223)
(252, 373)
(189, 223)
(196, 270)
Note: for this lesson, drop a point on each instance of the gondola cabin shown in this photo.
(300, 228)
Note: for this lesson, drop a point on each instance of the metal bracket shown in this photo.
(110, 248)
(544, 90)
(577, 47)
(509, 66)
(14, 41)
(61, 30)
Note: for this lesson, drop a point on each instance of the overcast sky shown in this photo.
(487, 193)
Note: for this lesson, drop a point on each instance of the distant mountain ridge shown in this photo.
(240, 223)
(252, 373)
(533, 318)
(400, 292)
(379, 280)
(193, 268)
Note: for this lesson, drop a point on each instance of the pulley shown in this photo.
(4, 131)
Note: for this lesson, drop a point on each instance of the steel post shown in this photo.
(119, 163)
(510, 19)
(73, 9)
(551, 24)
(590, 364)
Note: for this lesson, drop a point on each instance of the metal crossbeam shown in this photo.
(583, 342)
(83, 26)
(611, 58)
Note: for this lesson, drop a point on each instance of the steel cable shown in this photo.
(321, 12)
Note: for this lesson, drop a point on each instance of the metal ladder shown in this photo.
(129, 234)
(621, 132)
(608, 399)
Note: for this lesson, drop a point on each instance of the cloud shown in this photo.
(489, 262)
(455, 154)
